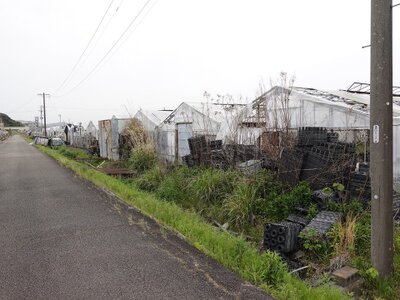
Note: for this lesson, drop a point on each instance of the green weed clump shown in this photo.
(66, 152)
(243, 205)
(280, 206)
(176, 185)
(212, 186)
(72, 153)
(151, 179)
(142, 159)
(319, 248)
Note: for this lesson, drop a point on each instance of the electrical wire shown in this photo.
(133, 30)
(109, 51)
(84, 51)
(101, 34)
(127, 37)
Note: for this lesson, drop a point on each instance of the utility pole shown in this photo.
(44, 111)
(41, 115)
(381, 139)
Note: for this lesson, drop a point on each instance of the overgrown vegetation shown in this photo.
(190, 200)
(213, 186)
(142, 159)
(151, 179)
(72, 153)
(281, 205)
(266, 270)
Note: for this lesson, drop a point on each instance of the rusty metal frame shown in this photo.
(365, 88)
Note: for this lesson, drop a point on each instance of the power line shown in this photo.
(137, 25)
(109, 51)
(84, 51)
(101, 34)
(127, 37)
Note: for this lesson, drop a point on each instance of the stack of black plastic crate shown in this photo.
(217, 155)
(283, 237)
(360, 184)
(188, 160)
(316, 168)
(245, 153)
(325, 159)
(323, 222)
(309, 136)
(199, 149)
(290, 166)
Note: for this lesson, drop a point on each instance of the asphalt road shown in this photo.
(61, 238)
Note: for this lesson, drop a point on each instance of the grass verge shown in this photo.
(266, 271)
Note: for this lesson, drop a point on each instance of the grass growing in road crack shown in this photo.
(266, 270)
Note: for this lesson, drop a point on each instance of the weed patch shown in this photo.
(212, 185)
(176, 186)
(280, 206)
(142, 159)
(242, 206)
(151, 179)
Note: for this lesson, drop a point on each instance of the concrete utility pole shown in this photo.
(41, 115)
(381, 140)
(44, 111)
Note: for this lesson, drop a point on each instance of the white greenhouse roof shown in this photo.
(354, 101)
(215, 111)
(155, 116)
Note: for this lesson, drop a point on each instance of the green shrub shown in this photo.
(272, 269)
(72, 153)
(142, 159)
(333, 206)
(315, 244)
(354, 207)
(241, 207)
(371, 276)
(363, 236)
(151, 179)
(280, 206)
(67, 153)
(212, 186)
(312, 211)
(176, 185)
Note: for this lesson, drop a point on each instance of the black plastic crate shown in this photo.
(290, 166)
(281, 237)
(216, 145)
(323, 222)
(302, 220)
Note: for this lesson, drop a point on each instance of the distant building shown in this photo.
(108, 133)
(150, 119)
(187, 120)
(91, 130)
(345, 111)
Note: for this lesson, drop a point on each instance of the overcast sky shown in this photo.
(174, 51)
